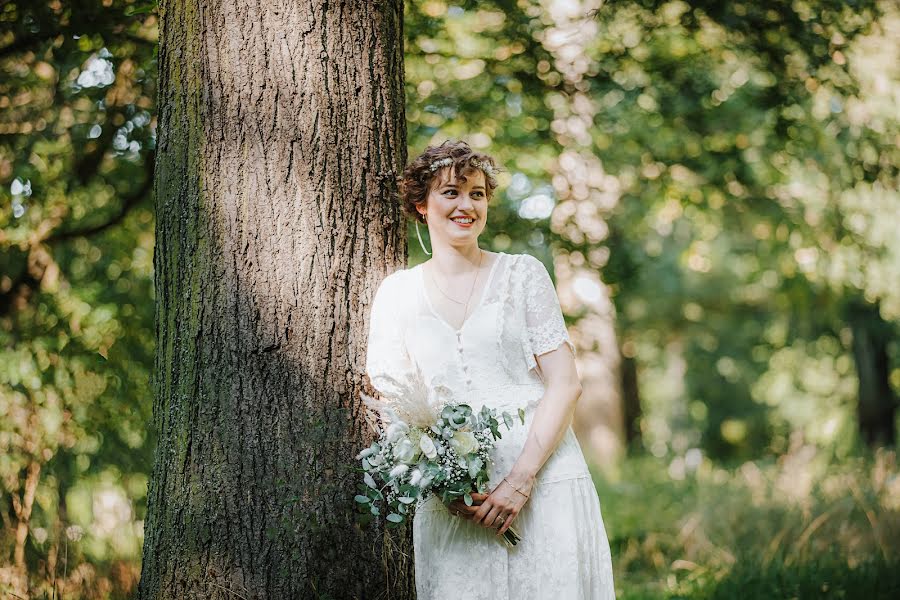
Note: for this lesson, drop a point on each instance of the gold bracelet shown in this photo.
(515, 488)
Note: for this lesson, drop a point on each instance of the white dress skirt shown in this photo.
(564, 551)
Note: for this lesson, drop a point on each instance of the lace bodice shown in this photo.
(517, 317)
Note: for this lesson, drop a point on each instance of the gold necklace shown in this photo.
(466, 309)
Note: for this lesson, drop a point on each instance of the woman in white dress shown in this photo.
(486, 328)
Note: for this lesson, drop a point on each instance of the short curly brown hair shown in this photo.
(417, 179)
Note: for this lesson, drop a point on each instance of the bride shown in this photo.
(485, 328)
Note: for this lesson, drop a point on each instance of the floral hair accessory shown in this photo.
(485, 166)
(488, 169)
(440, 163)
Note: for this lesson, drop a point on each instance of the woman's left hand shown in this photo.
(503, 502)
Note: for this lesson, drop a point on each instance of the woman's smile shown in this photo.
(463, 222)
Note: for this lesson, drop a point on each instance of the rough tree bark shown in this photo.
(281, 132)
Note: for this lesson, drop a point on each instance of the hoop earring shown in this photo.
(419, 235)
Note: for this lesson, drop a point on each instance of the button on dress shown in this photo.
(490, 360)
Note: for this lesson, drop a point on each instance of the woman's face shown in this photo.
(451, 200)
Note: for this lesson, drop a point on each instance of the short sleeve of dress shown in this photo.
(544, 323)
(387, 362)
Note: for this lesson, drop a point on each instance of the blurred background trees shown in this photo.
(76, 313)
(713, 184)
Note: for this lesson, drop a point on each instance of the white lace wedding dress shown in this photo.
(564, 553)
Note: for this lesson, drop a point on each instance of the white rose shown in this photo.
(464, 442)
(406, 451)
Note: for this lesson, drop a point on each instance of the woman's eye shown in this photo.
(454, 191)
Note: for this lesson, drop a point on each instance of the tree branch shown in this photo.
(128, 203)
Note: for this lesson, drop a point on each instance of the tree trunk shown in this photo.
(877, 405)
(631, 403)
(22, 507)
(281, 133)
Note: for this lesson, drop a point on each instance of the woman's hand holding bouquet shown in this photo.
(503, 504)
(448, 457)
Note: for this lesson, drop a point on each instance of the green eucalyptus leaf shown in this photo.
(475, 465)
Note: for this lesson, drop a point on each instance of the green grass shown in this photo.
(796, 527)
(827, 577)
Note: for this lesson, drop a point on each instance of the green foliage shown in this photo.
(729, 168)
(772, 529)
(828, 576)
(76, 286)
(735, 132)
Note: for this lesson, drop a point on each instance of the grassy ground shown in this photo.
(797, 527)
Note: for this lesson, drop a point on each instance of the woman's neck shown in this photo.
(449, 261)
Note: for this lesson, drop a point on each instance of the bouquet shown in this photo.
(448, 457)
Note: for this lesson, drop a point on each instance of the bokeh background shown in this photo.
(714, 186)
